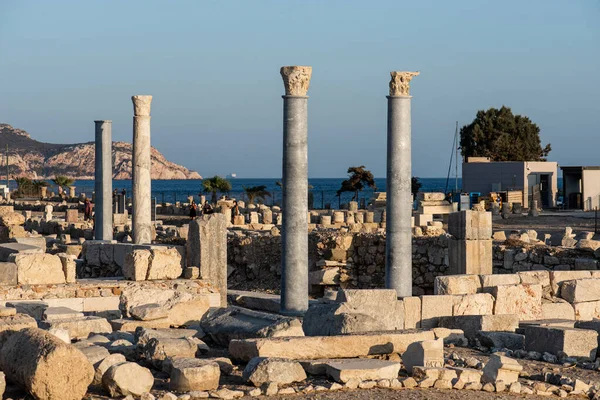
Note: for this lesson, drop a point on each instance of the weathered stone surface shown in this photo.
(587, 311)
(457, 284)
(557, 277)
(57, 313)
(473, 304)
(157, 350)
(127, 378)
(136, 264)
(489, 281)
(470, 225)
(38, 269)
(296, 80)
(579, 343)
(523, 300)
(470, 256)
(141, 105)
(189, 374)
(467, 375)
(261, 370)
(412, 312)
(472, 324)
(12, 219)
(558, 310)
(501, 340)
(45, 366)
(580, 290)
(165, 263)
(501, 368)
(69, 267)
(6, 249)
(535, 278)
(8, 273)
(400, 82)
(143, 335)
(231, 323)
(434, 307)
(149, 312)
(105, 364)
(362, 369)
(428, 353)
(80, 328)
(95, 354)
(7, 311)
(315, 347)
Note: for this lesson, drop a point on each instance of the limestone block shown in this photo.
(191, 273)
(80, 328)
(192, 374)
(470, 225)
(158, 350)
(12, 219)
(587, 311)
(45, 366)
(8, 273)
(261, 370)
(131, 325)
(325, 220)
(501, 368)
(38, 269)
(423, 219)
(69, 267)
(7, 311)
(559, 310)
(428, 353)
(324, 276)
(137, 264)
(579, 343)
(143, 335)
(126, 379)
(456, 284)
(431, 196)
(557, 277)
(165, 263)
(105, 364)
(588, 244)
(231, 323)
(489, 281)
(434, 307)
(502, 340)
(71, 216)
(316, 347)
(36, 241)
(580, 290)
(467, 375)
(471, 324)
(6, 209)
(412, 312)
(149, 312)
(58, 313)
(523, 300)
(362, 369)
(34, 308)
(499, 236)
(470, 256)
(7, 249)
(535, 278)
(473, 304)
(593, 325)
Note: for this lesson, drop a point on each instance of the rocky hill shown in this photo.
(37, 160)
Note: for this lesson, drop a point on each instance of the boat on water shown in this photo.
(233, 175)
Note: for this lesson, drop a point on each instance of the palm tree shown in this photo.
(23, 185)
(60, 181)
(214, 185)
(355, 183)
(256, 192)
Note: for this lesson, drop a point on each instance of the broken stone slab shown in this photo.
(192, 374)
(473, 304)
(501, 340)
(428, 353)
(8, 273)
(472, 324)
(58, 313)
(558, 310)
(126, 379)
(433, 308)
(103, 366)
(79, 328)
(523, 300)
(467, 375)
(33, 308)
(143, 335)
(94, 354)
(412, 312)
(69, 266)
(362, 369)
(31, 359)
(451, 336)
(15, 323)
(490, 281)
(7, 249)
(501, 368)
(158, 350)
(255, 300)
(231, 323)
(316, 347)
(262, 370)
(456, 284)
(431, 374)
(587, 310)
(315, 367)
(7, 311)
(325, 276)
(149, 312)
(34, 269)
(557, 277)
(165, 263)
(535, 278)
(579, 343)
(593, 325)
(130, 325)
(580, 290)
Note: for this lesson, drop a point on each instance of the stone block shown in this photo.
(434, 307)
(126, 379)
(593, 325)
(36, 241)
(560, 310)
(501, 369)
(261, 370)
(470, 225)
(522, 300)
(7, 249)
(470, 256)
(130, 325)
(472, 324)
(16, 323)
(58, 313)
(192, 374)
(324, 276)
(587, 311)
(120, 251)
(473, 304)
(428, 353)
(501, 340)
(488, 281)
(136, 265)
(456, 284)
(69, 267)
(580, 290)
(72, 216)
(362, 369)
(35, 269)
(158, 350)
(423, 219)
(578, 343)
(412, 312)
(557, 277)
(316, 347)
(79, 328)
(467, 375)
(431, 196)
(165, 263)
(535, 278)
(8, 273)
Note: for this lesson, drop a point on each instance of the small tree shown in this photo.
(62, 181)
(415, 186)
(38, 185)
(256, 192)
(359, 177)
(214, 185)
(24, 185)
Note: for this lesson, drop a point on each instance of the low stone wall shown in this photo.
(256, 258)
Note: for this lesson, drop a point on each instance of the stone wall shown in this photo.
(255, 262)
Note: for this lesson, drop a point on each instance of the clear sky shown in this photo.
(213, 69)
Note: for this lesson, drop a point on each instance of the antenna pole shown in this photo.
(457, 145)
(7, 178)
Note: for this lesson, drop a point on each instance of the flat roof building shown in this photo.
(536, 179)
(581, 187)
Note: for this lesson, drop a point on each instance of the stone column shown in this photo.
(141, 183)
(294, 260)
(103, 227)
(398, 268)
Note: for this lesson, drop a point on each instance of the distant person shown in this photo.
(235, 211)
(449, 197)
(193, 210)
(207, 208)
(87, 210)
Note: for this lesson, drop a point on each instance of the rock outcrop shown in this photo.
(38, 160)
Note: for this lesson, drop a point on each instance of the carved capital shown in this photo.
(296, 80)
(400, 82)
(141, 105)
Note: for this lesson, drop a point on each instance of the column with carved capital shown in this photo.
(141, 181)
(103, 225)
(294, 236)
(398, 267)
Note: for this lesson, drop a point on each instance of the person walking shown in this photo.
(87, 210)
(193, 210)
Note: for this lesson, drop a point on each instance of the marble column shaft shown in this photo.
(141, 182)
(103, 226)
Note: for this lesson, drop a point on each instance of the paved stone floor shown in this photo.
(410, 394)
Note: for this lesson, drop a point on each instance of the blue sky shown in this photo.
(213, 69)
